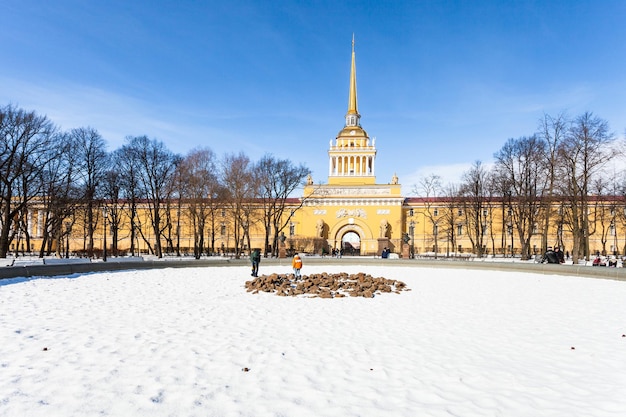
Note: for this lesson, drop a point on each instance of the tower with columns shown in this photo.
(352, 155)
(351, 210)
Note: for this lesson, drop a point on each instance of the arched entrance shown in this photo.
(351, 243)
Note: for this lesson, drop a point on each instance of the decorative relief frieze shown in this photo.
(381, 211)
(319, 212)
(351, 213)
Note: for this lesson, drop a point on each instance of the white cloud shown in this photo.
(115, 116)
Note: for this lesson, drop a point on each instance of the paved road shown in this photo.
(114, 264)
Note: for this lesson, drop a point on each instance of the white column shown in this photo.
(39, 219)
(29, 226)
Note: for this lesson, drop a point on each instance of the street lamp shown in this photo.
(436, 233)
(137, 231)
(412, 232)
(105, 214)
(281, 244)
(484, 234)
(510, 229)
(68, 225)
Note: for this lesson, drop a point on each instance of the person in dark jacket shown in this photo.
(255, 258)
(559, 254)
(550, 256)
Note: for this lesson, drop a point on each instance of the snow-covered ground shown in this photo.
(193, 342)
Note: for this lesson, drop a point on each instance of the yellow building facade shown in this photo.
(352, 212)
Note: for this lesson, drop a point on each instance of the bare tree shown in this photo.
(60, 196)
(155, 166)
(452, 215)
(494, 196)
(112, 185)
(26, 147)
(553, 131)
(240, 182)
(201, 190)
(277, 179)
(522, 164)
(475, 205)
(604, 212)
(92, 165)
(584, 153)
(430, 189)
(123, 161)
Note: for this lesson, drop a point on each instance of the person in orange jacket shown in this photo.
(296, 263)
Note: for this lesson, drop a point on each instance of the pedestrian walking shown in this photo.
(255, 258)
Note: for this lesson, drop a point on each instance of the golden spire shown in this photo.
(352, 102)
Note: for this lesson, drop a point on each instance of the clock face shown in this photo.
(352, 132)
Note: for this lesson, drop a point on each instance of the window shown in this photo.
(460, 212)
(223, 213)
(459, 229)
(222, 229)
(410, 212)
(436, 212)
(292, 229)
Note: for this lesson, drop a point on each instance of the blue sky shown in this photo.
(441, 84)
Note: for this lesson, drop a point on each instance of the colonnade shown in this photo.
(351, 165)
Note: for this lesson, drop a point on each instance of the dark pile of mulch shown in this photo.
(326, 285)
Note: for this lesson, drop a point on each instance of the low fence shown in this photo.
(119, 264)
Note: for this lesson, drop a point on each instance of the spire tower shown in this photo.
(352, 156)
(352, 97)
